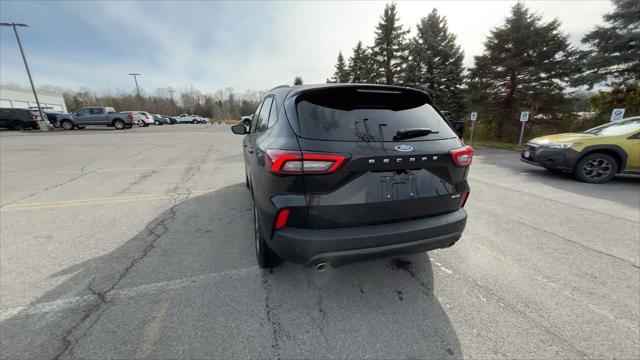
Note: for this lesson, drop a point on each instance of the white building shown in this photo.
(11, 98)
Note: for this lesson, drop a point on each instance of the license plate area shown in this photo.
(399, 186)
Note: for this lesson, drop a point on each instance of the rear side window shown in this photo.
(273, 117)
(263, 117)
(367, 114)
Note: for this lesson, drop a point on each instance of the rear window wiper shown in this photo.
(413, 133)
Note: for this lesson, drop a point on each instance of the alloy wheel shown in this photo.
(597, 169)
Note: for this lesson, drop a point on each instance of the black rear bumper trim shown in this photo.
(345, 245)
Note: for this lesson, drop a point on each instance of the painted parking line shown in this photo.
(106, 200)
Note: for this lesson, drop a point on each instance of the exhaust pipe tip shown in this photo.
(321, 267)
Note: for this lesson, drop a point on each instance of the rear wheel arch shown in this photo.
(616, 152)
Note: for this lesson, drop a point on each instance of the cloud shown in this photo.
(214, 45)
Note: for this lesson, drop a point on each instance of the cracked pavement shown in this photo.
(109, 255)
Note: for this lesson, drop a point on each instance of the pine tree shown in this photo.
(435, 64)
(614, 56)
(390, 47)
(341, 75)
(525, 66)
(297, 80)
(360, 64)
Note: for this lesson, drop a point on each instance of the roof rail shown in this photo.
(280, 86)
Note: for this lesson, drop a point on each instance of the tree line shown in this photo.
(220, 105)
(527, 65)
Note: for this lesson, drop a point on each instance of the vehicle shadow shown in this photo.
(195, 266)
(622, 189)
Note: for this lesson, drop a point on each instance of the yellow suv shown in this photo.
(594, 156)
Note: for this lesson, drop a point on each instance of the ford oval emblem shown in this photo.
(404, 148)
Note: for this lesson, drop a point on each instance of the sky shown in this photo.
(212, 45)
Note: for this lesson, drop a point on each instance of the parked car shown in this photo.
(172, 120)
(160, 120)
(95, 116)
(188, 119)
(19, 119)
(594, 156)
(50, 113)
(204, 120)
(352, 171)
(140, 118)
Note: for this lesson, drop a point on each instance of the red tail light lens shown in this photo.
(281, 219)
(463, 156)
(146, 116)
(297, 163)
(465, 196)
(130, 116)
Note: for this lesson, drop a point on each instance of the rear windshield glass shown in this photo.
(357, 114)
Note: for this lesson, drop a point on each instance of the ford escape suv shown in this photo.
(346, 172)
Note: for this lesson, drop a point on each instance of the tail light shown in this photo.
(298, 163)
(130, 116)
(146, 117)
(33, 116)
(281, 219)
(465, 196)
(463, 156)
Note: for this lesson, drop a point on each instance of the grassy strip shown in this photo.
(496, 145)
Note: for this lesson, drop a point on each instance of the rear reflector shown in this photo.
(281, 219)
(465, 196)
(297, 163)
(463, 156)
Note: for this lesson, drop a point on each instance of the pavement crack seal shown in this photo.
(276, 326)
(323, 313)
(156, 230)
(83, 174)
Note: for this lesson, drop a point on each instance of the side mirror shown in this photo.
(246, 122)
(239, 129)
(458, 127)
(76, 113)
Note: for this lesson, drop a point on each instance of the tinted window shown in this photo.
(254, 119)
(95, 111)
(263, 118)
(273, 117)
(356, 114)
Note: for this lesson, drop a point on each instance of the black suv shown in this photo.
(344, 172)
(18, 119)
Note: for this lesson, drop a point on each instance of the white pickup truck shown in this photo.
(188, 119)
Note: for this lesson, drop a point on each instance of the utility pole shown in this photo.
(171, 91)
(135, 78)
(43, 124)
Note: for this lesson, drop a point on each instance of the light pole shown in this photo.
(135, 78)
(43, 124)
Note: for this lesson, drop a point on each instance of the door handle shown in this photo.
(250, 150)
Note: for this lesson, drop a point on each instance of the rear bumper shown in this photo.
(345, 245)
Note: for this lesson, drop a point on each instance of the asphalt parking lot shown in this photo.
(138, 244)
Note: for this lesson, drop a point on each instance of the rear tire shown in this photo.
(119, 125)
(17, 125)
(267, 259)
(596, 168)
(141, 123)
(67, 125)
